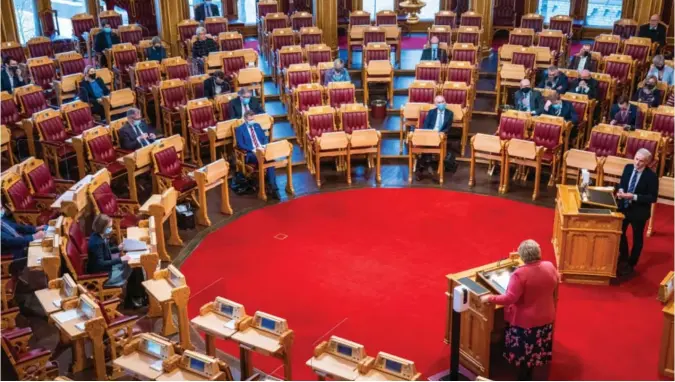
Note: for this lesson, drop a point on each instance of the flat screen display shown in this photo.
(227, 310)
(267, 323)
(154, 348)
(344, 350)
(197, 365)
(87, 309)
(392, 366)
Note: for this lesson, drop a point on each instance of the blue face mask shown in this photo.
(557, 106)
(440, 106)
(137, 122)
(108, 231)
(250, 123)
(434, 46)
(246, 100)
(2, 213)
(107, 29)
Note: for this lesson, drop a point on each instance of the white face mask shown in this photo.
(108, 231)
(2, 213)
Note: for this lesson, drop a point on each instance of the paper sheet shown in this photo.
(80, 326)
(57, 303)
(66, 315)
(137, 254)
(131, 245)
(501, 279)
(230, 324)
(157, 365)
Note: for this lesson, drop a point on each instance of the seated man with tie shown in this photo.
(135, 133)
(623, 113)
(582, 60)
(250, 137)
(16, 238)
(245, 102)
(438, 119)
(559, 108)
(527, 99)
(554, 79)
(585, 84)
(434, 53)
(637, 190)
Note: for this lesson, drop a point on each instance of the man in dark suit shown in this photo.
(585, 84)
(216, 85)
(105, 39)
(245, 102)
(623, 114)
(206, 9)
(250, 137)
(559, 108)
(582, 60)
(15, 239)
(654, 31)
(438, 119)
(637, 190)
(135, 133)
(527, 99)
(554, 79)
(12, 77)
(434, 52)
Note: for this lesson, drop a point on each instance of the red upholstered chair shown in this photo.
(172, 95)
(40, 46)
(318, 120)
(310, 36)
(428, 71)
(503, 13)
(605, 90)
(584, 109)
(49, 22)
(230, 41)
(176, 68)
(639, 49)
(471, 19)
(27, 363)
(555, 41)
(547, 132)
(374, 34)
(26, 207)
(533, 21)
(605, 140)
(442, 32)
(43, 71)
(296, 74)
(10, 115)
(148, 74)
(287, 56)
(461, 71)
(359, 18)
(306, 97)
(340, 93)
(196, 85)
(70, 63)
(448, 18)
(101, 152)
(562, 23)
(124, 57)
(457, 93)
(200, 115)
(522, 36)
(53, 135)
(527, 58)
(272, 21)
(318, 53)
(663, 121)
(232, 63)
(626, 28)
(638, 139)
(465, 52)
(13, 50)
(215, 25)
(41, 182)
(186, 30)
(621, 69)
(31, 99)
(424, 111)
(171, 171)
(353, 117)
(301, 20)
(321, 69)
(422, 91)
(606, 44)
(114, 18)
(82, 22)
(386, 17)
(513, 124)
(468, 35)
(122, 211)
(222, 102)
(132, 34)
(78, 117)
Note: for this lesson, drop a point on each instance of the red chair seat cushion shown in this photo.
(116, 168)
(183, 183)
(129, 221)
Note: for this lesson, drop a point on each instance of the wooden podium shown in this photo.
(585, 240)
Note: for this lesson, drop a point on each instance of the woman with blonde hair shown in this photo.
(529, 308)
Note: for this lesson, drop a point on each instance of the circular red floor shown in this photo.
(369, 265)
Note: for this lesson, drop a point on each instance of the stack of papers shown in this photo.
(133, 245)
(66, 315)
(501, 279)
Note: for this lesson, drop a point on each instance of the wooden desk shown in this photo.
(44, 259)
(508, 76)
(46, 297)
(376, 375)
(251, 339)
(71, 333)
(179, 374)
(137, 163)
(213, 326)
(138, 365)
(334, 367)
(666, 354)
(159, 289)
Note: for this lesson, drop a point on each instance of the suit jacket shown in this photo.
(592, 88)
(659, 35)
(656, 101)
(536, 101)
(561, 82)
(244, 140)
(129, 138)
(566, 111)
(630, 120)
(86, 94)
(235, 107)
(99, 258)
(200, 12)
(100, 43)
(6, 85)
(16, 245)
(430, 120)
(588, 65)
(210, 88)
(442, 55)
(646, 189)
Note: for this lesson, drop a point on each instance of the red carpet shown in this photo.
(369, 265)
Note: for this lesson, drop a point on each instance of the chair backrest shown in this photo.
(222, 102)
(581, 104)
(605, 140)
(200, 114)
(376, 51)
(173, 93)
(43, 71)
(82, 22)
(114, 18)
(232, 63)
(282, 37)
(67, 87)
(124, 56)
(522, 36)
(353, 116)
(448, 18)
(605, 86)
(132, 34)
(275, 20)
(196, 85)
(176, 68)
(70, 63)
(527, 58)
(471, 19)
(513, 124)
(16, 193)
(341, 93)
(40, 46)
(319, 120)
(107, 76)
(552, 39)
(465, 52)
(230, 41)
(638, 48)
(166, 160)
(469, 35)
(215, 25)
(663, 120)
(50, 126)
(297, 74)
(31, 99)
(548, 131)
(359, 18)
(10, 111)
(322, 68)
(289, 55)
(619, 66)
(461, 71)
(386, 17)
(456, 93)
(423, 112)
(301, 20)
(533, 21)
(48, 22)
(638, 139)
(148, 73)
(99, 145)
(308, 96)
(606, 44)
(13, 50)
(318, 53)
(310, 36)
(78, 116)
(187, 29)
(428, 71)
(422, 91)
(102, 195)
(374, 34)
(442, 32)
(626, 28)
(561, 23)
(266, 7)
(37, 176)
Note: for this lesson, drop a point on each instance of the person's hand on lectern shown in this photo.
(485, 299)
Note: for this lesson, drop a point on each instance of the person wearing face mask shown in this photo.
(135, 133)
(206, 9)
(92, 89)
(105, 39)
(585, 84)
(103, 257)
(156, 52)
(337, 74)
(527, 99)
(654, 31)
(251, 137)
(583, 60)
(245, 102)
(648, 94)
(15, 239)
(215, 85)
(556, 107)
(12, 76)
(554, 79)
(661, 71)
(623, 114)
(438, 119)
(203, 45)
(434, 52)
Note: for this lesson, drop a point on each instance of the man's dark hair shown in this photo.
(218, 74)
(249, 113)
(622, 100)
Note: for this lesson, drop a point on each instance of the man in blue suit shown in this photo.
(556, 107)
(554, 79)
(250, 137)
(438, 119)
(15, 238)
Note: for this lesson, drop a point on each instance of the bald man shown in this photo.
(438, 119)
(434, 52)
(527, 99)
(585, 84)
(655, 31)
(582, 60)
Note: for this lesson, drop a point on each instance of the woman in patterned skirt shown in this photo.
(529, 308)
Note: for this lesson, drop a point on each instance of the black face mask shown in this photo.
(525, 90)
(585, 53)
(13, 68)
(660, 67)
(651, 86)
(92, 76)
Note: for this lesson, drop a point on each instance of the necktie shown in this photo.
(9, 229)
(439, 121)
(433, 54)
(251, 131)
(624, 115)
(138, 131)
(207, 7)
(631, 187)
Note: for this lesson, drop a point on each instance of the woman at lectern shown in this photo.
(529, 308)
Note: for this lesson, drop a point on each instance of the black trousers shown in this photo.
(638, 226)
(424, 161)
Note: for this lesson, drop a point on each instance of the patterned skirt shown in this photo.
(531, 347)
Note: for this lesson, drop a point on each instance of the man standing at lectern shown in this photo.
(637, 190)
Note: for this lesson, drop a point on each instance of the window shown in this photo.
(26, 19)
(603, 13)
(374, 6)
(427, 13)
(548, 8)
(66, 10)
(247, 11)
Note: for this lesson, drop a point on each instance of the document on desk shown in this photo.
(230, 324)
(66, 315)
(132, 245)
(136, 255)
(157, 365)
(80, 326)
(57, 303)
(501, 279)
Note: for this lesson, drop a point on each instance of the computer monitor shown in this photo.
(175, 277)
(346, 349)
(153, 348)
(400, 367)
(197, 365)
(270, 323)
(87, 308)
(69, 285)
(393, 366)
(228, 308)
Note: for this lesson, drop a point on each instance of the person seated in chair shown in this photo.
(92, 89)
(554, 79)
(623, 113)
(135, 133)
(648, 94)
(438, 119)
(654, 31)
(215, 85)
(12, 76)
(156, 52)
(251, 137)
(204, 45)
(103, 257)
(434, 52)
(105, 39)
(586, 85)
(582, 60)
(527, 99)
(206, 9)
(15, 239)
(245, 102)
(661, 71)
(557, 107)
(337, 74)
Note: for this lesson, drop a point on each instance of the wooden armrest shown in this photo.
(54, 144)
(33, 355)
(93, 276)
(189, 166)
(123, 321)
(26, 211)
(17, 333)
